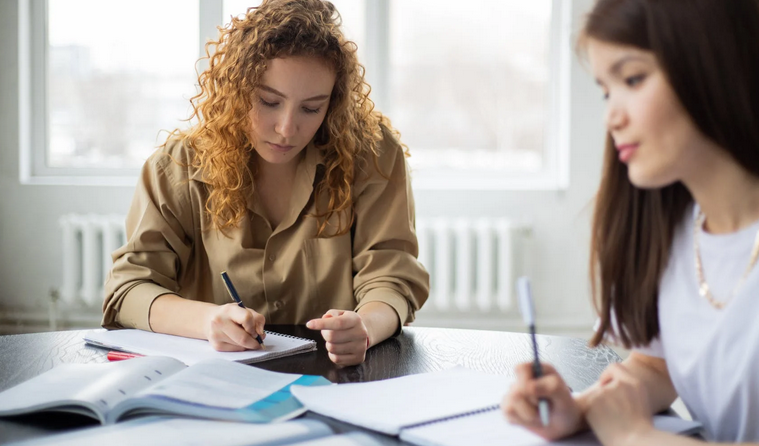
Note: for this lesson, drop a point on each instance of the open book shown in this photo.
(451, 407)
(189, 350)
(160, 431)
(157, 385)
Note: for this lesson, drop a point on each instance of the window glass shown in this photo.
(117, 74)
(469, 87)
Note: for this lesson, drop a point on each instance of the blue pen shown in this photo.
(528, 314)
(236, 297)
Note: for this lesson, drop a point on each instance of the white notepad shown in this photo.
(410, 400)
(490, 428)
(445, 408)
(191, 351)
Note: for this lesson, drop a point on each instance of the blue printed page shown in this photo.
(221, 389)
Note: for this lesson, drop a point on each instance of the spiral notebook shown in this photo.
(191, 351)
(444, 408)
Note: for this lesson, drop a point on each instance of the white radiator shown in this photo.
(473, 265)
(88, 241)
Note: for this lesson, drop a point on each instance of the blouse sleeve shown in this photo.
(158, 228)
(385, 246)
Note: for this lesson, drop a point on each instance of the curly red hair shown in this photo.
(220, 141)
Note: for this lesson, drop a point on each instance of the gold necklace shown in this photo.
(703, 287)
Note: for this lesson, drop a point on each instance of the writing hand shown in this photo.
(346, 336)
(520, 405)
(230, 328)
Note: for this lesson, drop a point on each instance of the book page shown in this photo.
(167, 431)
(387, 406)
(97, 386)
(220, 383)
(191, 351)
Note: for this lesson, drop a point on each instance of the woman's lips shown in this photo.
(280, 148)
(626, 151)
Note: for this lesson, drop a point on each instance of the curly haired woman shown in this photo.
(290, 182)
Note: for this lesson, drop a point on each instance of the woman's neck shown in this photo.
(726, 192)
(275, 171)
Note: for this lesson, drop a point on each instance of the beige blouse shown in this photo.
(286, 274)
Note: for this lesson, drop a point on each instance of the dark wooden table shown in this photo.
(416, 350)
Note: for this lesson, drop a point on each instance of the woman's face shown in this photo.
(289, 106)
(652, 132)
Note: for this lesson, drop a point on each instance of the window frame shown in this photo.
(33, 106)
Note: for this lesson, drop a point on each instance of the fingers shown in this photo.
(345, 335)
(251, 321)
(518, 408)
(616, 372)
(233, 328)
(347, 360)
(346, 348)
(333, 320)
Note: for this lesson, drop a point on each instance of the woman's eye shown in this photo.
(311, 110)
(267, 104)
(606, 95)
(634, 80)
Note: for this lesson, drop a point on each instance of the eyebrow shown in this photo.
(618, 64)
(278, 93)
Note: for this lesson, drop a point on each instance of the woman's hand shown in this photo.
(618, 408)
(346, 335)
(231, 328)
(520, 405)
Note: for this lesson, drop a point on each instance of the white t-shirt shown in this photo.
(712, 355)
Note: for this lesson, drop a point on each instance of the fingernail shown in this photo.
(310, 324)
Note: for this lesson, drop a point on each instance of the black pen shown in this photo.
(528, 314)
(236, 297)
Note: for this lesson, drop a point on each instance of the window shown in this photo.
(476, 92)
(469, 88)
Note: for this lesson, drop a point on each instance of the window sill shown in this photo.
(117, 181)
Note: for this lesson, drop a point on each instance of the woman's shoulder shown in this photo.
(174, 159)
(387, 153)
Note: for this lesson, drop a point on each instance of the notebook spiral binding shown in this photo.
(452, 417)
(289, 336)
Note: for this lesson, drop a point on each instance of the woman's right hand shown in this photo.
(231, 328)
(520, 405)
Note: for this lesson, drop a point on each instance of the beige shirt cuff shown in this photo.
(390, 297)
(135, 308)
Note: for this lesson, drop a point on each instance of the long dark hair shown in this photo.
(708, 52)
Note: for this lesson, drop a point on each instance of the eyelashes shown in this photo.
(630, 81)
(265, 103)
(633, 81)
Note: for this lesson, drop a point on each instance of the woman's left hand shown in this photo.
(346, 335)
(618, 409)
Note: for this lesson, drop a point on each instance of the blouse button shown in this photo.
(278, 304)
(272, 257)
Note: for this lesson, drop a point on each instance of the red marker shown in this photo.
(114, 355)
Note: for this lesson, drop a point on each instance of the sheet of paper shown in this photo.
(349, 439)
(491, 429)
(221, 383)
(387, 406)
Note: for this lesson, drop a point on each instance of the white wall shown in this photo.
(30, 262)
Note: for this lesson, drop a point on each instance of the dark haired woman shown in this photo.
(290, 182)
(676, 226)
